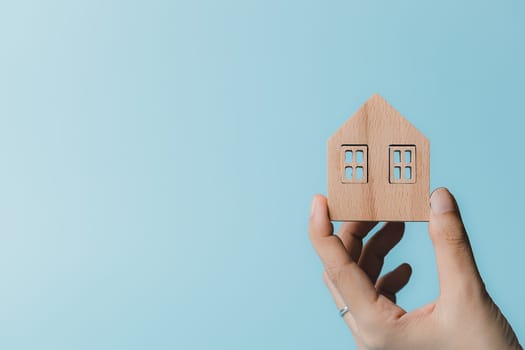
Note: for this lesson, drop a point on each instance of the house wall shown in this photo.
(378, 125)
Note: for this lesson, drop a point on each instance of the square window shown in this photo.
(402, 164)
(354, 164)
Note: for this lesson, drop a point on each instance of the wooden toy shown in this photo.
(378, 167)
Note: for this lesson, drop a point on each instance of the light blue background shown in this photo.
(158, 159)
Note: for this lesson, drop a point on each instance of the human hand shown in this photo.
(463, 317)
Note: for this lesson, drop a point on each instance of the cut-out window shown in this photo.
(408, 156)
(359, 156)
(359, 173)
(354, 163)
(348, 172)
(397, 173)
(397, 156)
(348, 158)
(402, 164)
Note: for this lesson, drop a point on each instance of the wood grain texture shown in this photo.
(382, 129)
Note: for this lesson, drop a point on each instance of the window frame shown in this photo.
(354, 164)
(402, 164)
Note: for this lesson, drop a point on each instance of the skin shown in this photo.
(463, 316)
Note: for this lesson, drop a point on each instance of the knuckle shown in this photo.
(451, 231)
(337, 273)
(456, 237)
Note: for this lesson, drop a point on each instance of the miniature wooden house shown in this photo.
(378, 167)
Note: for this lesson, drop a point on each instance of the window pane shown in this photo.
(348, 156)
(359, 173)
(359, 155)
(348, 172)
(408, 173)
(397, 156)
(397, 173)
(408, 156)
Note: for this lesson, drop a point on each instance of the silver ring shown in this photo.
(344, 310)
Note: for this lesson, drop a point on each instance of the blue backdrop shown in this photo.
(158, 159)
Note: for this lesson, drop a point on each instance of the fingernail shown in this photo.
(441, 201)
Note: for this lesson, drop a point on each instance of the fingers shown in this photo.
(456, 267)
(394, 281)
(352, 283)
(352, 234)
(378, 246)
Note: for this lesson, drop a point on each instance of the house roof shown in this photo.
(372, 112)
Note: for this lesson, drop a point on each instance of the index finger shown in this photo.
(356, 289)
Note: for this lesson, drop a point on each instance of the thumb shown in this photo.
(457, 269)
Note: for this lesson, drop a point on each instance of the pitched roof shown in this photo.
(372, 111)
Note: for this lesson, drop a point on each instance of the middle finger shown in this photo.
(352, 234)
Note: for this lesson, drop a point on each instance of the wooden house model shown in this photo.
(378, 167)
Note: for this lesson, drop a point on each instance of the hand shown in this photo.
(463, 317)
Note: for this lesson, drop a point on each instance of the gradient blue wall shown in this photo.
(158, 160)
